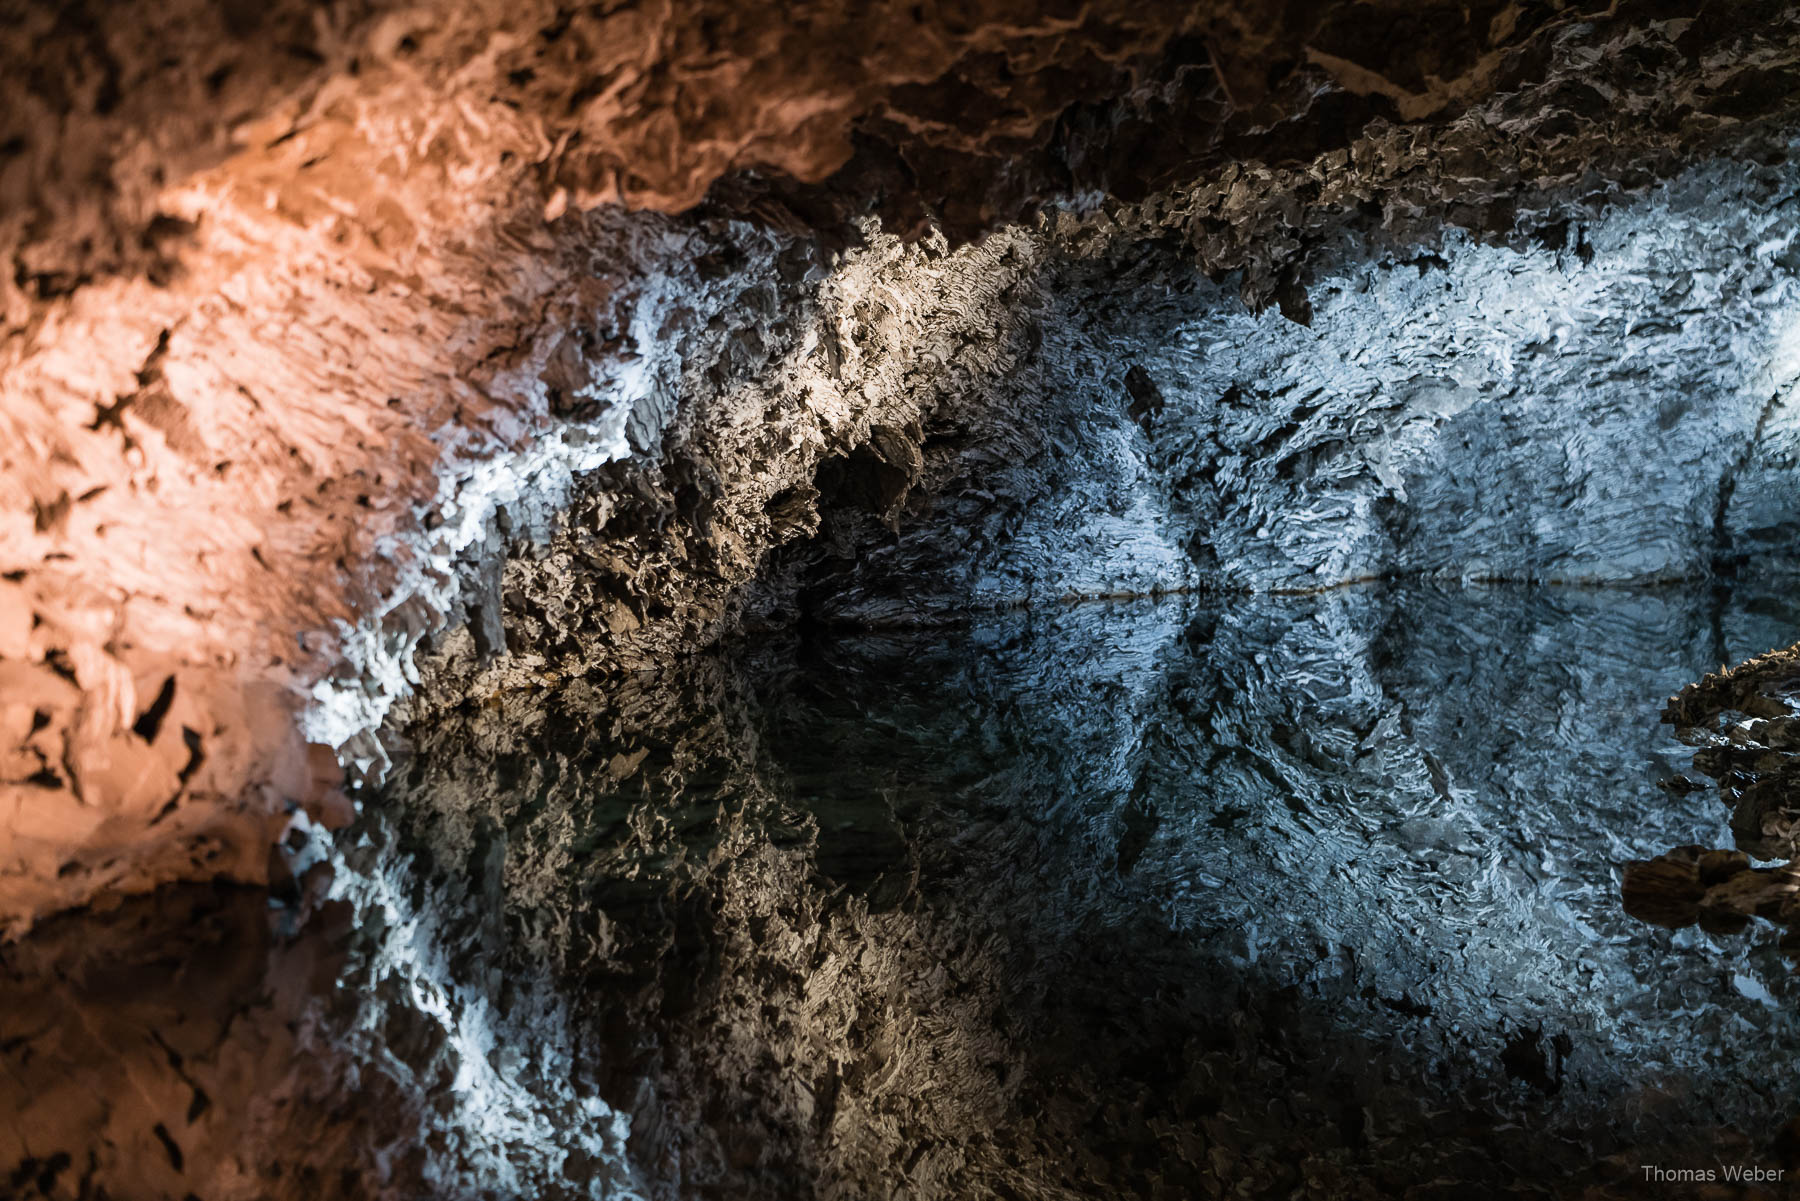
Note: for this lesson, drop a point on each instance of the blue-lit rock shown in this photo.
(1617, 409)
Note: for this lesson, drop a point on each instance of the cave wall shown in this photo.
(349, 425)
(1616, 407)
(319, 328)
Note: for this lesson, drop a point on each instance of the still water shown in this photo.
(1269, 897)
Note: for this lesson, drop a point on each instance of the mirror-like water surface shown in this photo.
(1279, 897)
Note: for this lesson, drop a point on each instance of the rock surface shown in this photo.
(356, 443)
(292, 355)
(1742, 722)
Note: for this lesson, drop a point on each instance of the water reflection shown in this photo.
(1272, 897)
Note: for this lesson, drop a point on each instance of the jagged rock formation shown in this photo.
(286, 322)
(1741, 722)
(348, 424)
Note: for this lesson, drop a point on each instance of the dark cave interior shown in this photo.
(1022, 601)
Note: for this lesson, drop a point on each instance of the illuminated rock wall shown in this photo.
(314, 350)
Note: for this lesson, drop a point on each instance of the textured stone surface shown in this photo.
(346, 426)
(1612, 409)
(1071, 410)
(285, 322)
(1742, 722)
(159, 1050)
